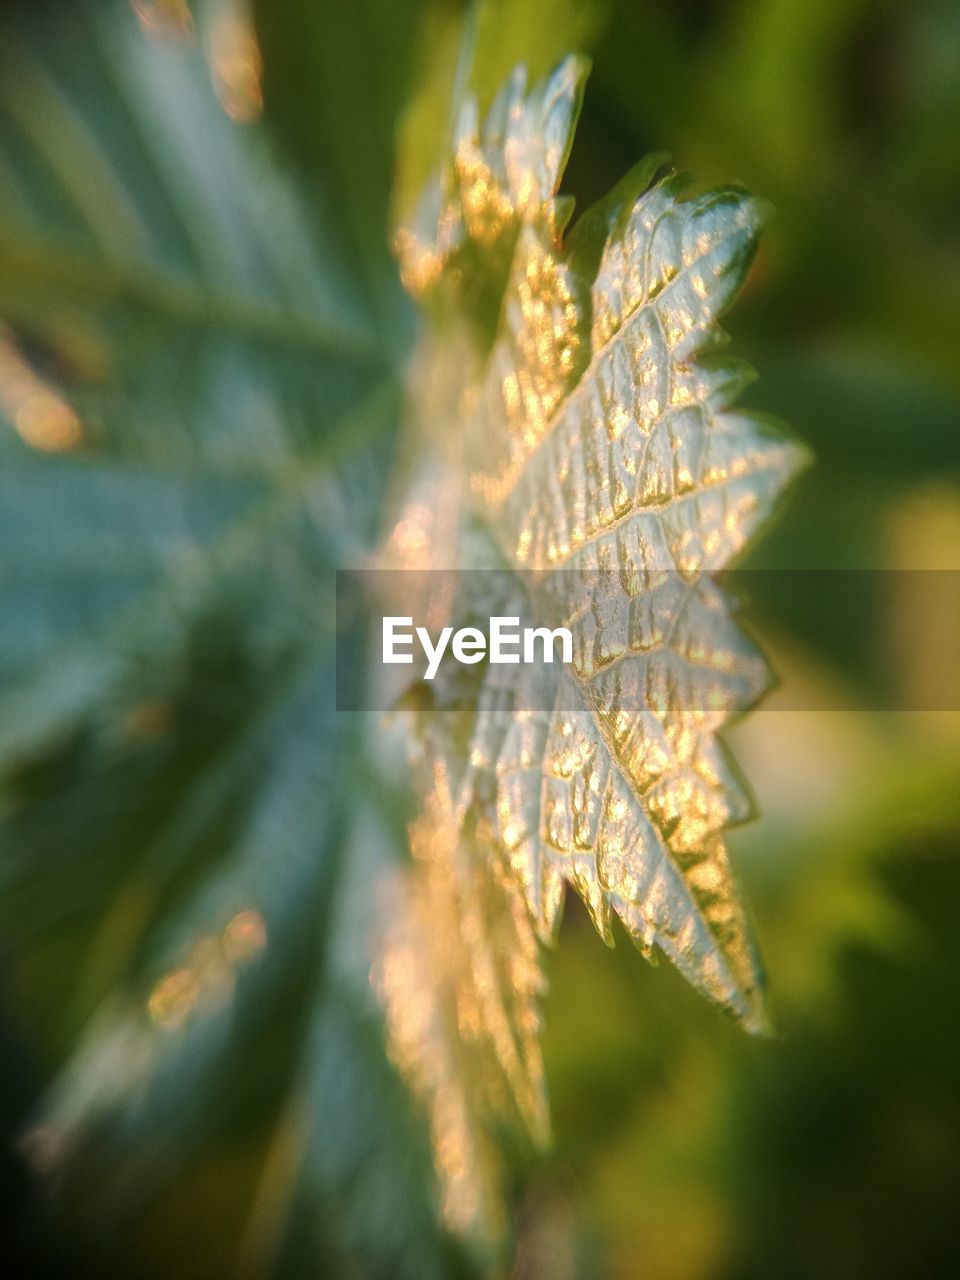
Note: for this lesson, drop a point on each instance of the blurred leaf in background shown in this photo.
(196, 366)
(201, 359)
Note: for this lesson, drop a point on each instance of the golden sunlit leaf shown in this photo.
(459, 976)
(596, 450)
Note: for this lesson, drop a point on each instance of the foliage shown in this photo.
(202, 364)
(596, 447)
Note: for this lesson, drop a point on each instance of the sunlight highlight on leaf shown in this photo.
(236, 63)
(598, 454)
(40, 415)
(503, 173)
(164, 17)
(459, 977)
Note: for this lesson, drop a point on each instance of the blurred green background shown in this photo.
(202, 345)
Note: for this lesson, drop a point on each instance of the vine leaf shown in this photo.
(459, 975)
(597, 451)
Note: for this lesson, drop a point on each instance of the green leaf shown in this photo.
(196, 382)
(151, 254)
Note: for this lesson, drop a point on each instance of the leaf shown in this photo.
(175, 337)
(459, 976)
(152, 257)
(597, 450)
(194, 386)
(351, 63)
(497, 34)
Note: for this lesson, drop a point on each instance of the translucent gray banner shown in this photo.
(703, 645)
